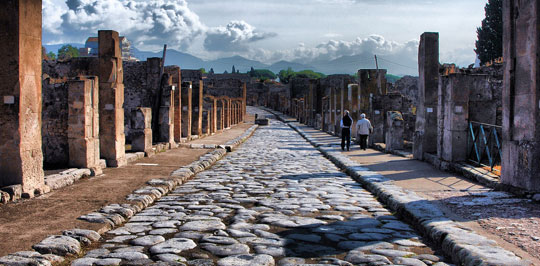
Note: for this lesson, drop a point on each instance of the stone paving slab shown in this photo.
(461, 244)
(274, 200)
(54, 248)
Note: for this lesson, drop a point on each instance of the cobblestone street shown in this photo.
(274, 201)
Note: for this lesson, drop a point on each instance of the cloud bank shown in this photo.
(233, 37)
(148, 24)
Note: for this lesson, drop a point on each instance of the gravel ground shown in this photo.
(516, 220)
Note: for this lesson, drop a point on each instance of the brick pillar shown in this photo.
(244, 96)
(178, 114)
(166, 112)
(453, 116)
(111, 99)
(214, 115)
(425, 135)
(21, 157)
(207, 113)
(354, 107)
(186, 91)
(176, 75)
(232, 112)
(311, 105)
(221, 114)
(339, 108)
(141, 124)
(83, 124)
(394, 134)
(521, 95)
(230, 101)
(332, 110)
(197, 109)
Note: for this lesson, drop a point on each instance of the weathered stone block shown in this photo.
(425, 136)
(21, 158)
(58, 245)
(14, 191)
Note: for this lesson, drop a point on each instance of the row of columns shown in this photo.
(95, 111)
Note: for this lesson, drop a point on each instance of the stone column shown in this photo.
(394, 135)
(177, 114)
(332, 111)
(141, 125)
(425, 135)
(453, 116)
(176, 75)
(83, 124)
(229, 112)
(521, 95)
(207, 119)
(111, 99)
(221, 114)
(197, 109)
(355, 111)
(186, 109)
(244, 96)
(166, 112)
(21, 157)
(234, 110)
(214, 115)
(311, 105)
(339, 110)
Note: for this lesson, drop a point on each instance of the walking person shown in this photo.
(363, 129)
(345, 124)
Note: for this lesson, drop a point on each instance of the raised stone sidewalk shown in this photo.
(54, 248)
(462, 244)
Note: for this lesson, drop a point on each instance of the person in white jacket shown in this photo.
(363, 129)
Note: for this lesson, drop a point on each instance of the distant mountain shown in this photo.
(341, 65)
(239, 63)
(172, 57)
(280, 65)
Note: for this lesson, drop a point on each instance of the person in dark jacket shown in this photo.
(346, 123)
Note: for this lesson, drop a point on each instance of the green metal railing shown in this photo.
(484, 144)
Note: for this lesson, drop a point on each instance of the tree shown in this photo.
(489, 43)
(47, 56)
(286, 75)
(262, 74)
(51, 56)
(67, 51)
(203, 70)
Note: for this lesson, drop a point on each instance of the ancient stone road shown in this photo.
(274, 201)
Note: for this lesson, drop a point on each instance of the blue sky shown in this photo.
(269, 31)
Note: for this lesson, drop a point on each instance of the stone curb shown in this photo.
(54, 248)
(462, 245)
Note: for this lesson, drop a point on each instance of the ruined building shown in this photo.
(93, 112)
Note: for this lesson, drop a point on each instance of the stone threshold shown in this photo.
(55, 248)
(461, 244)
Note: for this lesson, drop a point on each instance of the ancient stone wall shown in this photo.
(136, 93)
(55, 123)
(408, 87)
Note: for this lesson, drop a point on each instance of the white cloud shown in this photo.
(149, 24)
(333, 49)
(233, 37)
